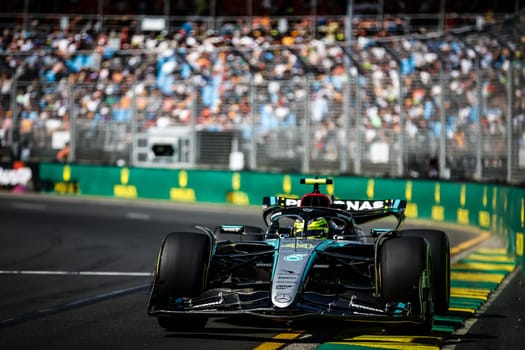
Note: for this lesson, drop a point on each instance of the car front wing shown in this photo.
(224, 302)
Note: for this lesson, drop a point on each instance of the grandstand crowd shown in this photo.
(197, 75)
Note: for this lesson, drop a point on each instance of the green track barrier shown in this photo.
(497, 209)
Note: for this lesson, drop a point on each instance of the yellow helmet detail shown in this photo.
(316, 228)
(319, 225)
(298, 226)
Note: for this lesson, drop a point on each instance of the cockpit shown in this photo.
(309, 223)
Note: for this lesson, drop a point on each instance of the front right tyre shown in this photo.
(181, 273)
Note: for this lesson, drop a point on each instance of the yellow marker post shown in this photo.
(287, 184)
(123, 190)
(370, 188)
(182, 193)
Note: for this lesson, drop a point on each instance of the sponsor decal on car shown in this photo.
(299, 245)
(283, 286)
(357, 205)
(283, 298)
(294, 257)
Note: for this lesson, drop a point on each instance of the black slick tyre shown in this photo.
(440, 258)
(181, 272)
(403, 261)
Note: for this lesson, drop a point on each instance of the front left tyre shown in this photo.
(404, 267)
(440, 256)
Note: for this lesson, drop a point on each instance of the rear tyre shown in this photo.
(403, 261)
(181, 272)
(440, 254)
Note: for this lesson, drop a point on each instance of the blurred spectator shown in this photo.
(164, 79)
(62, 155)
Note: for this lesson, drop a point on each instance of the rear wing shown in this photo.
(367, 210)
(361, 210)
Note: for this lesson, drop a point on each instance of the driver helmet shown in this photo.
(316, 228)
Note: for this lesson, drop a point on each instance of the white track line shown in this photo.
(29, 206)
(71, 305)
(138, 216)
(76, 273)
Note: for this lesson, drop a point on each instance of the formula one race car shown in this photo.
(313, 260)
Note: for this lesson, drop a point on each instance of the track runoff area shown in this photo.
(478, 270)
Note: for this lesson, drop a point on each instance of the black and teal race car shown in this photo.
(314, 259)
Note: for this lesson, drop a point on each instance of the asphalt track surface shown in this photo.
(75, 275)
